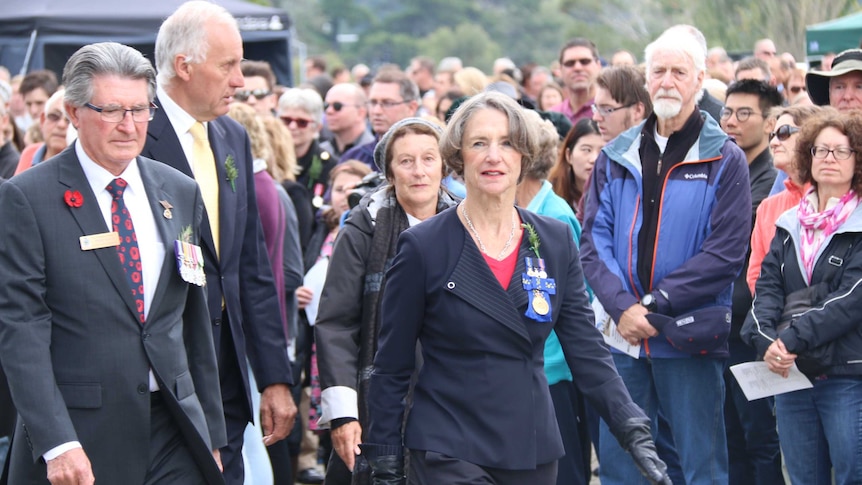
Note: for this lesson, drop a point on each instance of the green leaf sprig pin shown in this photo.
(533, 237)
(230, 169)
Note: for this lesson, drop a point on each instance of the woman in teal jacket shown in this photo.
(536, 194)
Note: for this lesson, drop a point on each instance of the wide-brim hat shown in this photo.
(701, 332)
(817, 82)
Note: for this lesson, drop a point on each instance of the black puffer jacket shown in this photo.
(837, 320)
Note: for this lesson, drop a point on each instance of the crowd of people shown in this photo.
(404, 275)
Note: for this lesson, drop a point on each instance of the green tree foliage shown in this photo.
(533, 30)
(468, 41)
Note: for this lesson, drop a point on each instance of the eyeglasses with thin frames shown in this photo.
(783, 132)
(742, 114)
(840, 153)
(608, 110)
(385, 103)
(116, 114)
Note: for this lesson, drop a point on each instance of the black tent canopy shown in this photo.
(37, 34)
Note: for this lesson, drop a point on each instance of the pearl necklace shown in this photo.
(479, 240)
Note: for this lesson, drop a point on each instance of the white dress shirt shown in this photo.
(150, 243)
(181, 122)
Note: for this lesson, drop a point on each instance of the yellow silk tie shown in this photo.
(204, 169)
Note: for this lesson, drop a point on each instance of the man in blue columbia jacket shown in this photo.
(666, 229)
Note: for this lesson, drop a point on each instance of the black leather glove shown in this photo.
(386, 462)
(634, 436)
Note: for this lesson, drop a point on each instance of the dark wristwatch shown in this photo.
(649, 302)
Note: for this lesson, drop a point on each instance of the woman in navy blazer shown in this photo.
(481, 293)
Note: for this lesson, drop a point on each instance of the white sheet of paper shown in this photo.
(314, 279)
(757, 381)
(608, 327)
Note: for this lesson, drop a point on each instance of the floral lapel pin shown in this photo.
(73, 198)
(167, 206)
(230, 170)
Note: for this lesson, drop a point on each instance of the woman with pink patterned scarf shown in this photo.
(817, 252)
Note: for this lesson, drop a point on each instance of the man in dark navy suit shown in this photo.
(198, 54)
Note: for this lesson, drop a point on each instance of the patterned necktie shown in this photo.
(204, 169)
(130, 256)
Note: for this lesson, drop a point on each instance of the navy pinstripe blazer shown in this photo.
(482, 395)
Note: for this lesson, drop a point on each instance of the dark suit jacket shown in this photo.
(482, 395)
(70, 342)
(242, 276)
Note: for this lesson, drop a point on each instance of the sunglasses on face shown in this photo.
(300, 123)
(584, 62)
(336, 106)
(242, 95)
(796, 89)
(55, 116)
(783, 132)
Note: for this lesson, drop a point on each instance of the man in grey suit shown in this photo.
(198, 54)
(106, 343)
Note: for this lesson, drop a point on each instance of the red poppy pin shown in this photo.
(73, 198)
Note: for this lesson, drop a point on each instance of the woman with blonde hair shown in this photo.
(282, 165)
(471, 81)
(278, 219)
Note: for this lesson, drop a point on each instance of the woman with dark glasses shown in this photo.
(782, 144)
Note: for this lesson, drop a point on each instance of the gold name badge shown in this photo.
(98, 241)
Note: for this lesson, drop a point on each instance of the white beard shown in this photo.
(666, 108)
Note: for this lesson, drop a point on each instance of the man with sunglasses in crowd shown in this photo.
(579, 62)
(752, 440)
(346, 111)
(258, 89)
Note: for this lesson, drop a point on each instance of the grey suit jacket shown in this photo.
(75, 355)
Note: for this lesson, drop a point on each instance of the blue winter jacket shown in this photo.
(704, 228)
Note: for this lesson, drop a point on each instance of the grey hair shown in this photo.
(549, 143)
(56, 98)
(305, 99)
(680, 39)
(522, 131)
(185, 33)
(104, 58)
(406, 87)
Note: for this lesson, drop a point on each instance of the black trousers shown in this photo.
(574, 467)
(235, 404)
(431, 468)
(171, 461)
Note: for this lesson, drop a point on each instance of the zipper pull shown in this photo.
(658, 167)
